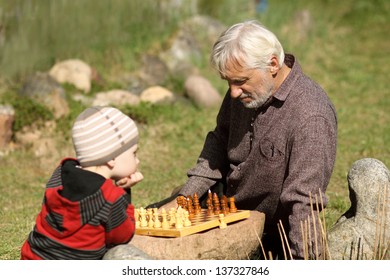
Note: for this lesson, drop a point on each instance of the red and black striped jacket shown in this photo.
(83, 214)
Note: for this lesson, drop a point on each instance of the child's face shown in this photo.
(126, 163)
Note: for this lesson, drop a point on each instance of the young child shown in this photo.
(83, 212)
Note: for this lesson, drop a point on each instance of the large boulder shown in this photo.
(363, 232)
(73, 71)
(42, 88)
(240, 240)
(157, 95)
(116, 97)
(201, 92)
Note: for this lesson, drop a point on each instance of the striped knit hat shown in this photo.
(102, 133)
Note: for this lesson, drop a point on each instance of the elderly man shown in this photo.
(274, 144)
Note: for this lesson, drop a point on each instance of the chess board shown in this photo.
(199, 222)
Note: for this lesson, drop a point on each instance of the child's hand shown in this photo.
(131, 180)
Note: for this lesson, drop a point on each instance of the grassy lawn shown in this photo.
(343, 45)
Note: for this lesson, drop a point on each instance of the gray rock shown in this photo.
(126, 252)
(43, 88)
(154, 71)
(363, 232)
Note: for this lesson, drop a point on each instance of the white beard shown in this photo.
(258, 101)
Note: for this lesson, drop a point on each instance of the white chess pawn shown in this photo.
(172, 217)
(144, 222)
(150, 217)
(187, 222)
(222, 222)
(179, 221)
(165, 223)
(157, 223)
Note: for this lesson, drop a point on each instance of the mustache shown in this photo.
(245, 95)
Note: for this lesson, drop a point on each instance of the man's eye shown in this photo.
(238, 82)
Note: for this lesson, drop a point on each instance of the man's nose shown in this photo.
(235, 91)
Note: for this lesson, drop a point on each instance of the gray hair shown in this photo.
(248, 44)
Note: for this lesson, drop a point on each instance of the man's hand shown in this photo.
(169, 205)
(130, 181)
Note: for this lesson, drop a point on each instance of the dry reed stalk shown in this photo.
(309, 243)
(323, 226)
(306, 240)
(303, 242)
(313, 238)
(261, 244)
(285, 237)
(351, 251)
(282, 240)
(303, 239)
(321, 229)
(314, 226)
(385, 250)
(358, 248)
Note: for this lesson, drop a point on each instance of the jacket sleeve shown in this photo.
(310, 168)
(120, 226)
(212, 164)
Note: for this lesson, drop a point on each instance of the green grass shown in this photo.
(345, 50)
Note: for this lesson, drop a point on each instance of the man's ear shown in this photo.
(274, 65)
(111, 163)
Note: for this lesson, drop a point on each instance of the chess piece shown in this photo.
(210, 195)
(172, 217)
(222, 222)
(210, 210)
(217, 208)
(157, 223)
(182, 201)
(144, 222)
(224, 207)
(190, 207)
(197, 208)
(187, 222)
(164, 223)
(150, 222)
(233, 208)
(179, 221)
(209, 203)
(225, 201)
